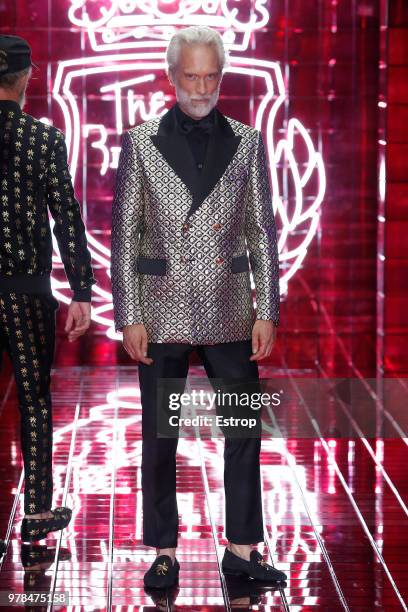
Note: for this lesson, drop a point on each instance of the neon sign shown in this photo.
(125, 65)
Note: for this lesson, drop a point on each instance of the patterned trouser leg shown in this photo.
(27, 325)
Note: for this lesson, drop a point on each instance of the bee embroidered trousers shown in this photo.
(27, 334)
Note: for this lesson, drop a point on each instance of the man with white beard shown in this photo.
(192, 194)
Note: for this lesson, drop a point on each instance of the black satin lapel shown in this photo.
(176, 151)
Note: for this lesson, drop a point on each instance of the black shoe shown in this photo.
(255, 590)
(40, 556)
(37, 529)
(162, 573)
(163, 599)
(256, 568)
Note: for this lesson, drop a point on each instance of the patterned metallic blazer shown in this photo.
(179, 260)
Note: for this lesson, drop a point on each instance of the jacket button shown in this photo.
(186, 227)
(219, 260)
(216, 226)
(183, 259)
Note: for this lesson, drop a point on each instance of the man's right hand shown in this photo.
(135, 343)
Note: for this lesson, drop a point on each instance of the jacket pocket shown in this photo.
(240, 264)
(151, 265)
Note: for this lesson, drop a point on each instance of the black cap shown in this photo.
(15, 54)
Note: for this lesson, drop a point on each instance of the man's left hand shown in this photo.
(263, 339)
(78, 319)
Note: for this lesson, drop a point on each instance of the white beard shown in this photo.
(195, 109)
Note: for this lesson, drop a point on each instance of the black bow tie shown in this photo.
(204, 125)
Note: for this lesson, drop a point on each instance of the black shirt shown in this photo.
(197, 138)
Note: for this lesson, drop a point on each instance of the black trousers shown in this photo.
(27, 333)
(242, 477)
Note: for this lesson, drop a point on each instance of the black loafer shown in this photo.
(256, 568)
(254, 589)
(163, 599)
(162, 573)
(40, 556)
(37, 529)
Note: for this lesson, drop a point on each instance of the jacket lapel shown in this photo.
(173, 145)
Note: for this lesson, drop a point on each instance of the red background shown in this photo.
(329, 53)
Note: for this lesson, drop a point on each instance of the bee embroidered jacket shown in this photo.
(35, 178)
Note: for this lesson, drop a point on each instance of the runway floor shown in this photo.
(335, 511)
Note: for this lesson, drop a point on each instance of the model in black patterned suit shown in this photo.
(192, 195)
(35, 178)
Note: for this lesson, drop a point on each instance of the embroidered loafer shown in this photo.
(256, 568)
(40, 556)
(37, 529)
(162, 573)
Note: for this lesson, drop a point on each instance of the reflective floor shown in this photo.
(335, 511)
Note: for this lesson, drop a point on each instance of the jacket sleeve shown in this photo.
(127, 218)
(69, 229)
(261, 237)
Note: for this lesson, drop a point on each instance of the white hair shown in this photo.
(195, 35)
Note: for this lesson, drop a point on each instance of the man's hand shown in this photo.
(79, 316)
(135, 342)
(263, 339)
